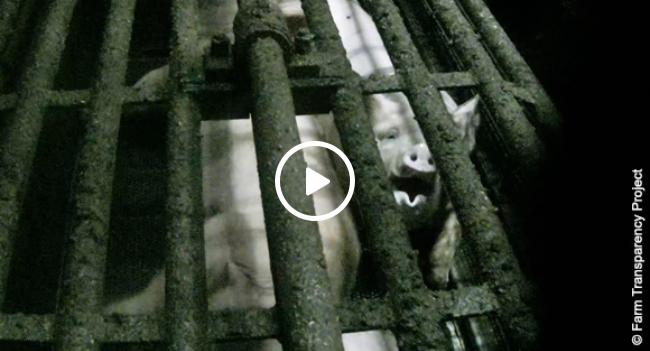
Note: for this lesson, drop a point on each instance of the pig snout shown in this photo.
(418, 159)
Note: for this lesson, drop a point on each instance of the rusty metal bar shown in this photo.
(14, 22)
(482, 229)
(306, 311)
(410, 300)
(549, 123)
(185, 274)
(380, 84)
(18, 142)
(78, 323)
(520, 141)
(388, 84)
(39, 328)
(301, 283)
(356, 315)
(9, 10)
(388, 238)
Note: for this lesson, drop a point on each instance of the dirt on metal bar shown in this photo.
(520, 138)
(388, 238)
(185, 274)
(549, 122)
(18, 141)
(306, 312)
(482, 229)
(410, 300)
(78, 319)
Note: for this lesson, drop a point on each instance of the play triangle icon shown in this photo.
(314, 181)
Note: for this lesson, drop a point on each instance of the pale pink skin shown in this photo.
(236, 245)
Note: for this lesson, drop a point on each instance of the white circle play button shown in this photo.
(314, 181)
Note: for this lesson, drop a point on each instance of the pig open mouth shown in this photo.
(412, 191)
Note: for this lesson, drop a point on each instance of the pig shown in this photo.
(404, 152)
(236, 249)
(409, 164)
(237, 257)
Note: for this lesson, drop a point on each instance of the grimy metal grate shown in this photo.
(460, 38)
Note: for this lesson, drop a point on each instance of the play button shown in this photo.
(314, 181)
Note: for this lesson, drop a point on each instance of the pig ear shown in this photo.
(469, 106)
(467, 119)
(449, 101)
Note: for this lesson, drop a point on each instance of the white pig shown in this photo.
(236, 249)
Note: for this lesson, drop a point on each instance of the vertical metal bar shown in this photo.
(326, 35)
(550, 123)
(78, 323)
(185, 289)
(8, 13)
(387, 234)
(302, 288)
(301, 283)
(18, 142)
(520, 136)
(14, 19)
(481, 226)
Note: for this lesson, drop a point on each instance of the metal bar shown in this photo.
(549, 122)
(376, 85)
(306, 311)
(387, 235)
(9, 10)
(410, 300)
(134, 328)
(481, 227)
(18, 142)
(356, 315)
(8, 101)
(520, 139)
(78, 324)
(388, 84)
(14, 31)
(21, 327)
(185, 274)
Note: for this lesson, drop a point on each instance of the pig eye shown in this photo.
(391, 134)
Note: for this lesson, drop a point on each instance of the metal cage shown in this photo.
(433, 44)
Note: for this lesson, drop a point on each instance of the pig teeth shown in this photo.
(402, 198)
(419, 200)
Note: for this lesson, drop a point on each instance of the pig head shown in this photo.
(403, 149)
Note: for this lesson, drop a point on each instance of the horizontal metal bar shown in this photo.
(25, 327)
(356, 315)
(18, 143)
(132, 96)
(389, 84)
(134, 328)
